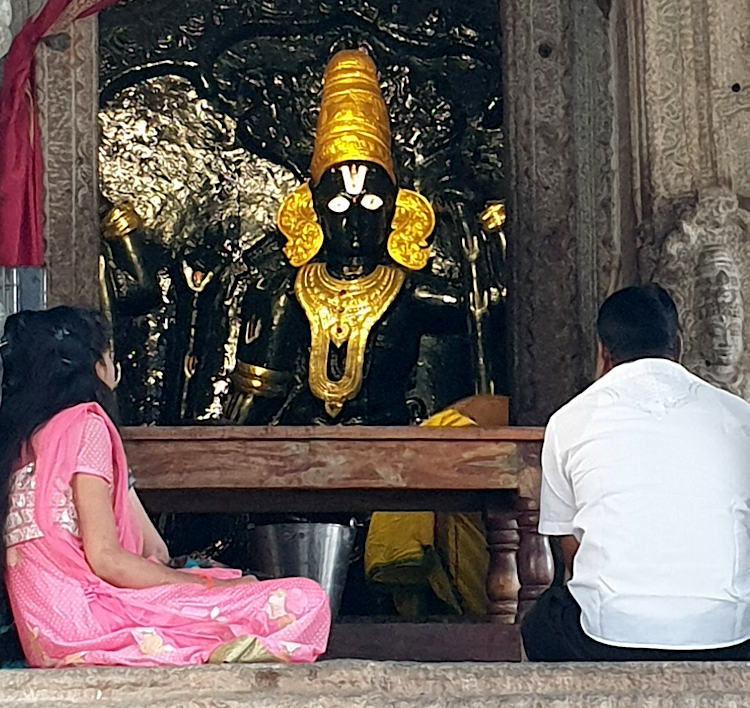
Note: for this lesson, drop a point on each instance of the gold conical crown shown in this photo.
(353, 121)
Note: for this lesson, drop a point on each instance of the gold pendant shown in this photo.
(342, 312)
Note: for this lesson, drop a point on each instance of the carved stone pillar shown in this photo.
(67, 92)
(564, 245)
(67, 100)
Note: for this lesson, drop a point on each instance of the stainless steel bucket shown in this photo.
(310, 550)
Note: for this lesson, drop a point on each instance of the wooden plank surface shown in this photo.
(321, 432)
(349, 458)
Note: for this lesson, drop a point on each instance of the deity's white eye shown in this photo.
(338, 204)
(372, 202)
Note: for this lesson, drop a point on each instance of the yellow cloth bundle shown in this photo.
(407, 556)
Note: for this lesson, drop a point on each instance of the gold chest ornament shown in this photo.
(342, 312)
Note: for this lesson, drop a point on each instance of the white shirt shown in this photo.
(649, 468)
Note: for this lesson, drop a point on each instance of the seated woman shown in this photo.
(84, 567)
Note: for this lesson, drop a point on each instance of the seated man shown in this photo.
(646, 479)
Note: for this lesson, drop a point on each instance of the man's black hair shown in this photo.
(638, 322)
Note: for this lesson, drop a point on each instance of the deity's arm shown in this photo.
(269, 341)
(440, 304)
(133, 263)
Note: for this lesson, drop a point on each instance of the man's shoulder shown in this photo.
(576, 406)
(726, 399)
(620, 383)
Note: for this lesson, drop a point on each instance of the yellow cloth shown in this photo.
(400, 555)
(397, 539)
(448, 419)
(463, 545)
(403, 553)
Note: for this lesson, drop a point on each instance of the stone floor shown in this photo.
(351, 684)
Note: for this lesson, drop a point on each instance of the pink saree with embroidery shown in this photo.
(66, 615)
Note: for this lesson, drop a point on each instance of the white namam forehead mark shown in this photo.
(354, 178)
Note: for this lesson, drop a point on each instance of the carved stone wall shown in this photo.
(690, 94)
(618, 114)
(690, 83)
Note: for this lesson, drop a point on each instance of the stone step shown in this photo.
(351, 684)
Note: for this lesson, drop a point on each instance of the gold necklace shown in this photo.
(342, 311)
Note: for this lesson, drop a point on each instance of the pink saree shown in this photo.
(66, 615)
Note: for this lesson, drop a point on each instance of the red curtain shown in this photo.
(21, 240)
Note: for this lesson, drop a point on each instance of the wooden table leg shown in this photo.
(535, 563)
(502, 575)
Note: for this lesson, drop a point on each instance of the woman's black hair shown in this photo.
(49, 359)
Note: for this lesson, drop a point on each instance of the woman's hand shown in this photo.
(234, 582)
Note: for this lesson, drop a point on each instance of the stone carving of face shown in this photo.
(355, 202)
(719, 309)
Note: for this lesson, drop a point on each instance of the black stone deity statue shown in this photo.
(331, 330)
(189, 353)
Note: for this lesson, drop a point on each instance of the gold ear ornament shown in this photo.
(412, 224)
(296, 219)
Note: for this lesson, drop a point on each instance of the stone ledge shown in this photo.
(350, 683)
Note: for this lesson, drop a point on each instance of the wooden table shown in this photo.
(363, 469)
